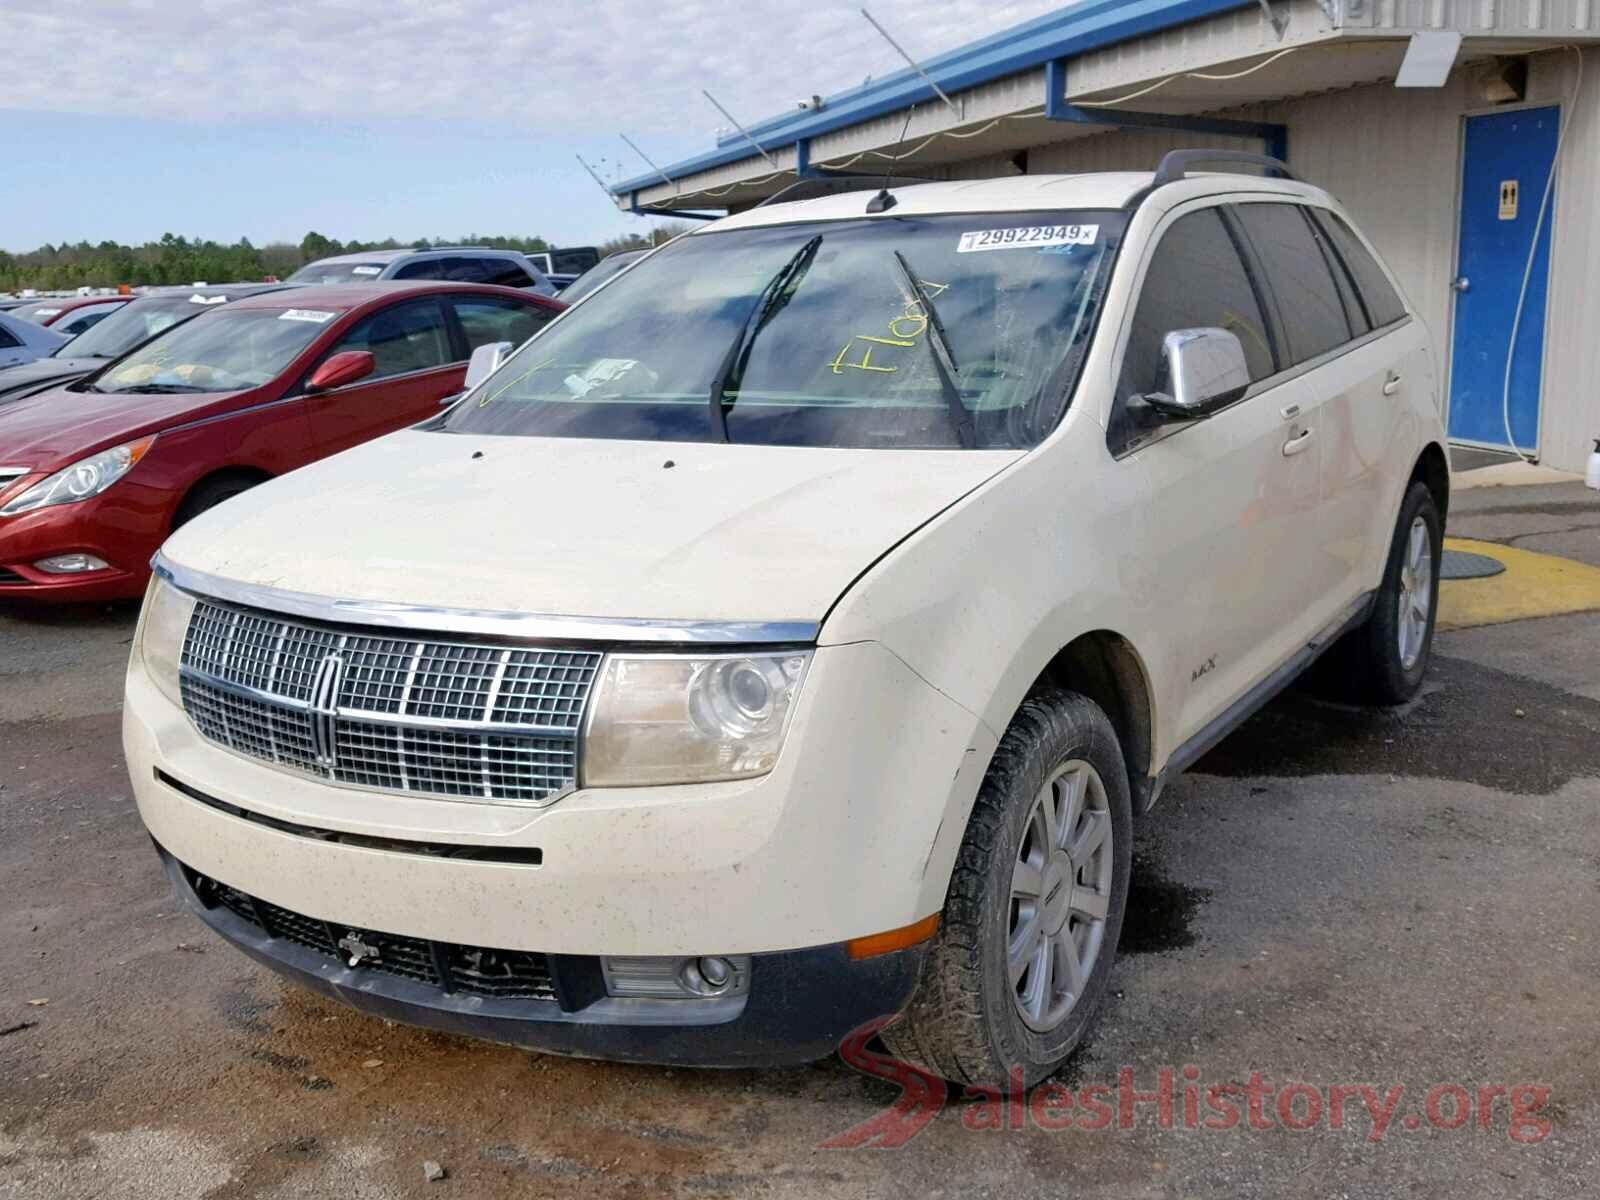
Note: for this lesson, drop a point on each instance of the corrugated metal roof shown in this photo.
(1073, 30)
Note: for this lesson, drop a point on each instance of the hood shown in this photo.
(43, 371)
(52, 428)
(553, 526)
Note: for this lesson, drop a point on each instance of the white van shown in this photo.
(790, 634)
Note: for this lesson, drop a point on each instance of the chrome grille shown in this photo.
(472, 721)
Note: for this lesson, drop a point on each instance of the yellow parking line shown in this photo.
(1532, 585)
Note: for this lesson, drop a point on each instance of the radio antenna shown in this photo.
(884, 201)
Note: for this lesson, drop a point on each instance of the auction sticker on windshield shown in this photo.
(316, 315)
(1027, 237)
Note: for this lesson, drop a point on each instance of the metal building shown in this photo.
(1437, 122)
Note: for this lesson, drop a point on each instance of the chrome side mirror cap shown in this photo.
(485, 361)
(1206, 370)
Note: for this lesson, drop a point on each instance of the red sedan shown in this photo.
(96, 474)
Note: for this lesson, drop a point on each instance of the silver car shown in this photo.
(23, 341)
(463, 264)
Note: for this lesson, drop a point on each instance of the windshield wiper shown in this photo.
(944, 359)
(773, 298)
(157, 389)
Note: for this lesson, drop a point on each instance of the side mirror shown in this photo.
(342, 368)
(485, 361)
(1206, 370)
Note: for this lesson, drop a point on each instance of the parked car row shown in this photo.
(69, 315)
(136, 321)
(180, 401)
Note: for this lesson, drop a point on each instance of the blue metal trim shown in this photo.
(1056, 108)
(633, 207)
(802, 159)
(1070, 31)
(1278, 143)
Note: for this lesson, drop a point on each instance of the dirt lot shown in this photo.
(1333, 897)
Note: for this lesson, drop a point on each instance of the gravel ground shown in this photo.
(1334, 897)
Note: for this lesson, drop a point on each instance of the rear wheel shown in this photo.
(1383, 661)
(1020, 965)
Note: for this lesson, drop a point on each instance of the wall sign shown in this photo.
(1508, 199)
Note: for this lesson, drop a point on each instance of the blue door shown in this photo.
(1507, 162)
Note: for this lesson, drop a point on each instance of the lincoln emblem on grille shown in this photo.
(324, 704)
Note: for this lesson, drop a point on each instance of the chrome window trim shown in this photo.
(520, 626)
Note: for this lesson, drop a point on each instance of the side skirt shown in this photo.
(1246, 706)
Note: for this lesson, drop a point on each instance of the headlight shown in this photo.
(163, 626)
(85, 478)
(696, 718)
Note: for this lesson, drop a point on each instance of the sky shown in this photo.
(364, 119)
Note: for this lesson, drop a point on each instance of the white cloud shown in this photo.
(574, 69)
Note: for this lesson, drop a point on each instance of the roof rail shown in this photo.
(1174, 165)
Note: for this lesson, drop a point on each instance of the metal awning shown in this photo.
(1200, 65)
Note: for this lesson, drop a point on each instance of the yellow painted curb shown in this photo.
(1532, 585)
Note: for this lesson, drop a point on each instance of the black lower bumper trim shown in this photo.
(801, 1003)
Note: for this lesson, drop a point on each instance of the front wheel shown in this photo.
(1020, 965)
(210, 494)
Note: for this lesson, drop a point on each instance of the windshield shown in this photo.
(128, 326)
(906, 332)
(336, 272)
(225, 351)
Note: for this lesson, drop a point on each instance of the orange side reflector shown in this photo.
(895, 939)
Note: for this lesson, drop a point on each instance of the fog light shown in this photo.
(706, 976)
(700, 977)
(70, 564)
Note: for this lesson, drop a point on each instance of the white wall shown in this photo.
(1394, 158)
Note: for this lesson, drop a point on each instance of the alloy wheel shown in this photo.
(1060, 895)
(1416, 593)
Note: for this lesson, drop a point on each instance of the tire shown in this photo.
(1370, 664)
(210, 494)
(966, 1021)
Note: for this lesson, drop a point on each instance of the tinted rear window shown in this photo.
(1383, 302)
(1297, 273)
(506, 272)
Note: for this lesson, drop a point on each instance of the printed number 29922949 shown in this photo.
(1026, 237)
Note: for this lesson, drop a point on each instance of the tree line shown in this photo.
(182, 261)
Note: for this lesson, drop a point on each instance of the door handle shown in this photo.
(1391, 385)
(1298, 443)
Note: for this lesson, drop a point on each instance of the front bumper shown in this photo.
(850, 835)
(800, 1006)
(122, 528)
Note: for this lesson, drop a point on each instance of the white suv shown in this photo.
(789, 635)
